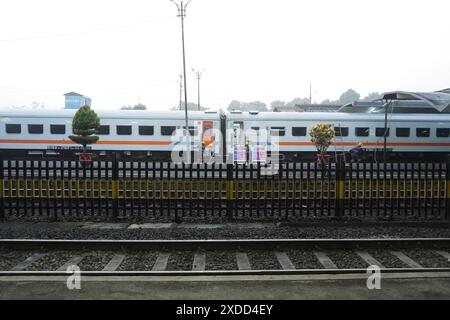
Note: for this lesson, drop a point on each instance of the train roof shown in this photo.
(116, 114)
(332, 116)
(233, 116)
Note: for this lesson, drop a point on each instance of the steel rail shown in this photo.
(268, 244)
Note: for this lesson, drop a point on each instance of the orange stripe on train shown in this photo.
(99, 142)
(374, 144)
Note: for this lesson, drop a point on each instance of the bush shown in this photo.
(85, 124)
(322, 135)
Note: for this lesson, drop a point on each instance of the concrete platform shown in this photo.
(105, 225)
(393, 286)
(151, 225)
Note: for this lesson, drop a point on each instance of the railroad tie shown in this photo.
(324, 260)
(75, 260)
(28, 261)
(161, 262)
(199, 262)
(242, 261)
(369, 258)
(405, 259)
(284, 261)
(114, 263)
(445, 254)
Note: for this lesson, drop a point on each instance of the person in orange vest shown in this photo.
(357, 152)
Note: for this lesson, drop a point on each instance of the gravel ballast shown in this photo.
(427, 258)
(263, 260)
(51, 261)
(9, 260)
(138, 261)
(387, 259)
(221, 260)
(337, 231)
(346, 259)
(95, 261)
(303, 259)
(180, 261)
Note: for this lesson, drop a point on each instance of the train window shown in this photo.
(362, 132)
(35, 128)
(423, 132)
(57, 129)
(299, 131)
(442, 132)
(192, 130)
(379, 132)
(341, 131)
(167, 130)
(278, 131)
(146, 130)
(103, 130)
(13, 128)
(123, 130)
(402, 132)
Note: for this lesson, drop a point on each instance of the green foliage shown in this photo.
(85, 124)
(322, 135)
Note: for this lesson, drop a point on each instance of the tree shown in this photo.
(297, 101)
(349, 96)
(85, 124)
(235, 105)
(191, 106)
(373, 96)
(138, 106)
(321, 135)
(329, 102)
(256, 105)
(276, 104)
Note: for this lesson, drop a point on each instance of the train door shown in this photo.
(239, 142)
(257, 144)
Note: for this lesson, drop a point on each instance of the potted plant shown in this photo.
(85, 124)
(322, 135)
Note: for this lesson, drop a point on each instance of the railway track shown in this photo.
(222, 257)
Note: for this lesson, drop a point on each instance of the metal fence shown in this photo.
(124, 189)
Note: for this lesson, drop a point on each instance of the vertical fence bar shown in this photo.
(115, 187)
(340, 188)
(2, 190)
(447, 178)
(230, 190)
(146, 188)
(33, 187)
(177, 220)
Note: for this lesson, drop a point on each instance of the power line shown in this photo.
(67, 34)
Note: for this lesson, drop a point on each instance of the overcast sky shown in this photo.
(119, 52)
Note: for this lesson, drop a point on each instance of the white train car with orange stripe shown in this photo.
(135, 133)
(408, 135)
(149, 133)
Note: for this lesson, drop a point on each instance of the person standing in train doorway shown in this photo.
(357, 152)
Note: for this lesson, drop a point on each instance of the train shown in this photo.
(150, 134)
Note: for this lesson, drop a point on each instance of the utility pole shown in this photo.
(182, 13)
(198, 74)
(311, 93)
(181, 92)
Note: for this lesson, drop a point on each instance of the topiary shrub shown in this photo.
(85, 124)
(322, 135)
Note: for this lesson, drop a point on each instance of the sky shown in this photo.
(124, 52)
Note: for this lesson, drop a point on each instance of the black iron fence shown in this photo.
(124, 189)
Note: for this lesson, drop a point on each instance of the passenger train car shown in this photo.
(133, 133)
(149, 134)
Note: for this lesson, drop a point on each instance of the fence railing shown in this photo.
(124, 189)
